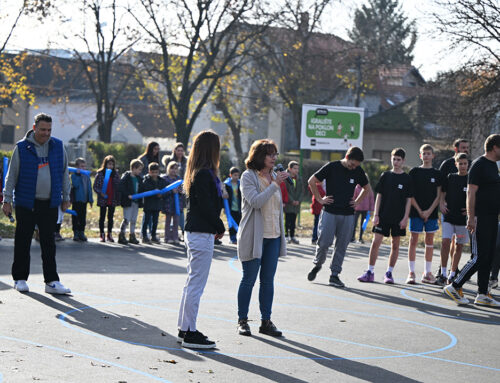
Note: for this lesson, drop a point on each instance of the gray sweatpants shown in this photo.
(330, 227)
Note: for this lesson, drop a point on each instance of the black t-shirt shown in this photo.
(484, 174)
(340, 184)
(395, 190)
(455, 187)
(425, 182)
(448, 166)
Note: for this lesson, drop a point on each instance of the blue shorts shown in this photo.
(417, 225)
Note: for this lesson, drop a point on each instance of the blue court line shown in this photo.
(121, 366)
(404, 292)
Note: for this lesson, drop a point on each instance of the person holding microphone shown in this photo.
(261, 234)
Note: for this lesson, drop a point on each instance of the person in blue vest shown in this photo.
(37, 184)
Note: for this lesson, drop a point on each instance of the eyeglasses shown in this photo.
(274, 155)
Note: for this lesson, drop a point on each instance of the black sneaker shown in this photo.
(180, 336)
(312, 274)
(268, 328)
(217, 242)
(336, 282)
(243, 327)
(195, 339)
(438, 273)
(441, 280)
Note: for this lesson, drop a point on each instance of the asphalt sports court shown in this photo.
(120, 323)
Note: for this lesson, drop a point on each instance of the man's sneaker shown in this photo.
(456, 294)
(244, 328)
(195, 339)
(295, 241)
(441, 280)
(76, 236)
(428, 278)
(312, 274)
(21, 286)
(83, 237)
(180, 336)
(411, 280)
(268, 328)
(56, 287)
(486, 300)
(367, 276)
(336, 282)
(388, 278)
(155, 239)
(438, 273)
(145, 239)
(492, 284)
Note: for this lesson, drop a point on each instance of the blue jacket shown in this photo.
(78, 183)
(29, 162)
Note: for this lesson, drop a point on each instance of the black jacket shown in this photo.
(154, 202)
(127, 188)
(204, 205)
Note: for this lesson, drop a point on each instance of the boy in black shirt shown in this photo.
(426, 183)
(337, 218)
(482, 220)
(454, 221)
(392, 208)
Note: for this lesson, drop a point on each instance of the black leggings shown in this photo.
(290, 224)
(102, 217)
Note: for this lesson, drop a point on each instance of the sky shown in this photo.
(431, 53)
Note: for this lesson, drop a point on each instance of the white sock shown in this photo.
(371, 268)
(411, 265)
(444, 273)
(428, 267)
(389, 269)
(452, 274)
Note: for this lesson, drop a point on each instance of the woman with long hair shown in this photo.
(151, 154)
(109, 200)
(261, 234)
(203, 224)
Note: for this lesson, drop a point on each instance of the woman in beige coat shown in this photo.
(261, 234)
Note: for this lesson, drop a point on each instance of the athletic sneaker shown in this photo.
(428, 278)
(336, 282)
(411, 280)
(441, 280)
(21, 286)
(195, 339)
(388, 278)
(486, 300)
(456, 294)
(295, 241)
(312, 274)
(367, 276)
(56, 287)
(180, 336)
(492, 284)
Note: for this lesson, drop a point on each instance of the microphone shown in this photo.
(280, 168)
(11, 218)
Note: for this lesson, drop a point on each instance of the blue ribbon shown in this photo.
(365, 222)
(150, 193)
(177, 205)
(106, 181)
(230, 220)
(72, 212)
(82, 171)
(5, 170)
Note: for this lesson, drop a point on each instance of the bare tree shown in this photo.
(199, 43)
(106, 38)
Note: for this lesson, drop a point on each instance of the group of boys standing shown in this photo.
(468, 200)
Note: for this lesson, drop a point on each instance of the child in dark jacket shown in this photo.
(112, 195)
(232, 184)
(81, 193)
(153, 204)
(130, 184)
(171, 218)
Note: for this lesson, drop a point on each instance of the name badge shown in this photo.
(433, 180)
(351, 181)
(400, 186)
(465, 189)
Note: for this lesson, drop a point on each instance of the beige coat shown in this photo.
(251, 228)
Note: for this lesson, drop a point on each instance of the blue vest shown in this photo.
(25, 191)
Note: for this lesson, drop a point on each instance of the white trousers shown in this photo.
(200, 250)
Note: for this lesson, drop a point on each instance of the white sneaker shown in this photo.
(486, 300)
(456, 295)
(56, 287)
(21, 286)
